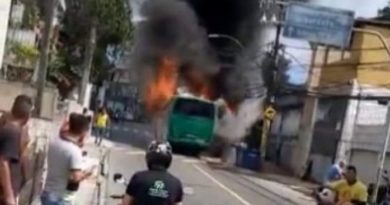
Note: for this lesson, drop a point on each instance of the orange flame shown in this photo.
(161, 90)
(199, 84)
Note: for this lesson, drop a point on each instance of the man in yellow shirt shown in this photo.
(102, 120)
(350, 190)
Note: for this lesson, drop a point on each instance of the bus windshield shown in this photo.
(194, 108)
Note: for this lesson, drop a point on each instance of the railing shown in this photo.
(104, 174)
(41, 130)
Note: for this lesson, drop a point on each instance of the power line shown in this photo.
(334, 50)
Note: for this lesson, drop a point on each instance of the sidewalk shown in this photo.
(90, 190)
(272, 172)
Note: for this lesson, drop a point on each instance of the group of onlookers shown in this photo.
(65, 157)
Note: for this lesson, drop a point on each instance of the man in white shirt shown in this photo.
(65, 163)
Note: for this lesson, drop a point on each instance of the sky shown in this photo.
(301, 57)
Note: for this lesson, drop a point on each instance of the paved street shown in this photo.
(203, 185)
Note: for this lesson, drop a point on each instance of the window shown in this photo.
(194, 108)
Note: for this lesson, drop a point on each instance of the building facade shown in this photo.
(346, 116)
(5, 8)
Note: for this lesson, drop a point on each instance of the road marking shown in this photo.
(188, 190)
(190, 161)
(135, 153)
(222, 186)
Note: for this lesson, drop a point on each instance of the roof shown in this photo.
(378, 21)
(193, 97)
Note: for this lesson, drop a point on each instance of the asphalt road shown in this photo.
(203, 185)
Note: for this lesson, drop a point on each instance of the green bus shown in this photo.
(191, 122)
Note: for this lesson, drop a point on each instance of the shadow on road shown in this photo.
(294, 183)
(132, 134)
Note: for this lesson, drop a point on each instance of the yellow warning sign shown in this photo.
(270, 112)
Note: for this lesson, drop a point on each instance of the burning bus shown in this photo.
(173, 48)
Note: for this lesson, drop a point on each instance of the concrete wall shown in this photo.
(321, 165)
(284, 133)
(9, 90)
(302, 145)
(5, 7)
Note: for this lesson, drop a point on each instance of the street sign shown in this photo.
(269, 112)
(319, 24)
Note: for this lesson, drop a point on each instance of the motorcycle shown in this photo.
(325, 196)
(119, 179)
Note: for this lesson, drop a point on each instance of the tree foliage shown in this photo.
(113, 28)
(385, 12)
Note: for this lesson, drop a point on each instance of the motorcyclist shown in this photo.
(155, 186)
(350, 190)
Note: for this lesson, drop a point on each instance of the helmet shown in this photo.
(326, 196)
(159, 155)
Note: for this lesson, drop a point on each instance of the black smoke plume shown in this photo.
(184, 30)
(171, 30)
(181, 29)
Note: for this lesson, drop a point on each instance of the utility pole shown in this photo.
(88, 59)
(274, 76)
(382, 158)
(44, 54)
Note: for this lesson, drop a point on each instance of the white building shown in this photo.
(364, 132)
(5, 7)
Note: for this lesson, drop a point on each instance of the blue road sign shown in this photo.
(319, 24)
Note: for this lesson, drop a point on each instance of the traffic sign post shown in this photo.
(270, 112)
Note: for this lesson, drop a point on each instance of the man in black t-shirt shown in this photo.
(155, 186)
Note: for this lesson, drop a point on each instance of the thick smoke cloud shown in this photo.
(180, 29)
(171, 30)
(236, 18)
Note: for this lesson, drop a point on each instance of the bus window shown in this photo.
(194, 108)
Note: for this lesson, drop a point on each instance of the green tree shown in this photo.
(112, 21)
(385, 12)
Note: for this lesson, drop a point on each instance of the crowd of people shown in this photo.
(66, 160)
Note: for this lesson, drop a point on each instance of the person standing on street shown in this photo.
(63, 178)
(102, 121)
(13, 143)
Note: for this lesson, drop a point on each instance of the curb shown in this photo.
(103, 175)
